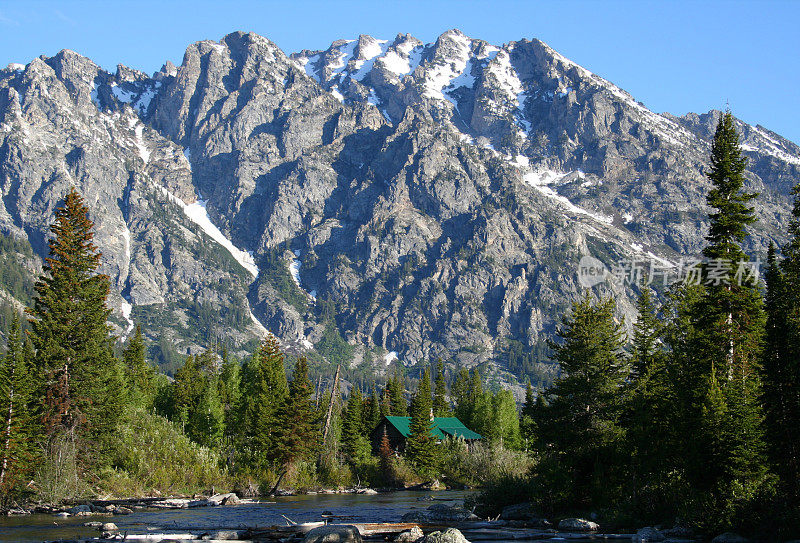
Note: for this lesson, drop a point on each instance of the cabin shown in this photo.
(398, 429)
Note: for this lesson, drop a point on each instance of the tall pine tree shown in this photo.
(440, 406)
(781, 359)
(140, 376)
(726, 459)
(264, 390)
(83, 389)
(17, 428)
(582, 436)
(354, 442)
(299, 433)
(421, 446)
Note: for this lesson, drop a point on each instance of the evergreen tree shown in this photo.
(196, 402)
(440, 406)
(646, 334)
(17, 430)
(781, 358)
(527, 419)
(372, 411)
(421, 446)
(264, 390)
(299, 426)
(582, 436)
(650, 411)
(354, 442)
(140, 376)
(460, 393)
(728, 320)
(207, 418)
(83, 388)
(386, 402)
(397, 396)
(229, 395)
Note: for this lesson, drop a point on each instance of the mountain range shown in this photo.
(378, 201)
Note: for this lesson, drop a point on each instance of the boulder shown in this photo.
(410, 536)
(229, 498)
(342, 533)
(578, 525)
(232, 499)
(123, 511)
(63, 514)
(224, 535)
(647, 534)
(729, 537)
(79, 510)
(440, 512)
(368, 491)
(109, 527)
(451, 535)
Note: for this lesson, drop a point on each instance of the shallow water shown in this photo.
(388, 507)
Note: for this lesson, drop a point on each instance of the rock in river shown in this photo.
(409, 536)
(451, 535)
(344, 533)
(440, 513)
(578, 525)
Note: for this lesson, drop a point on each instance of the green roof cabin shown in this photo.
(397, 429)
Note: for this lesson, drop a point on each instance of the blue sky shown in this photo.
(673, 56)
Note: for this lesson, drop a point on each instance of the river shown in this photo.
(385, 507)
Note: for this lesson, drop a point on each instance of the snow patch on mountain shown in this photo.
(367, 56)
(198, 214)
(441, 74)
(144, 152)
(345, 54)
(122, 95)
(143, 102)
(390, 357)
(294, 270)
(126, 308)
(766, 142)
(542, 179)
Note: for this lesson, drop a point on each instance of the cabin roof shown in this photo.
(443, 427)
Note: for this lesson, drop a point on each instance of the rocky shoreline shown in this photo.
(438, 523)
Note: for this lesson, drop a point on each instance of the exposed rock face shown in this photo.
(435, 199)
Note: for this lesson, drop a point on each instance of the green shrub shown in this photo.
(482, 465)
(151, 453)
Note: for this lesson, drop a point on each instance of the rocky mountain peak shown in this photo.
(375, 197)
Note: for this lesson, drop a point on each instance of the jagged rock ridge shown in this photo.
(420, 199)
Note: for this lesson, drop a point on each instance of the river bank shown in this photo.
(378, 516)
